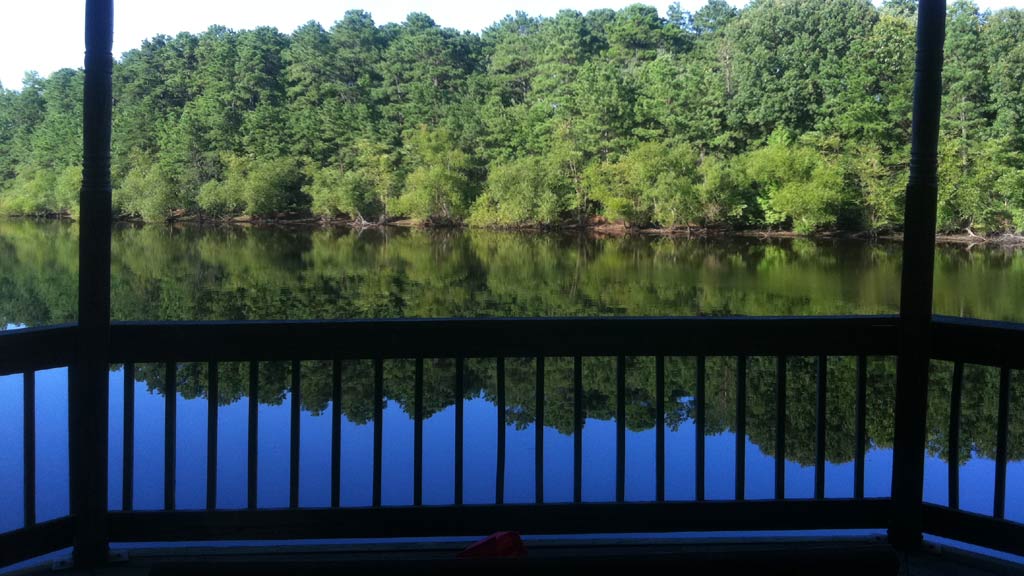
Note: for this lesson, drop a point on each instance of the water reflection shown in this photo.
(193, 273)
(599, 431)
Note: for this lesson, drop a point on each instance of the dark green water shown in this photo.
(164, 273)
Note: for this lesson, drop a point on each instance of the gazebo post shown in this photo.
(89, 388)
(917, 280)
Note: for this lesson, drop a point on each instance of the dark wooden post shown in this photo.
(916, 286)
(89, 375)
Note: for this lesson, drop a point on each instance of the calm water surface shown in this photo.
(193, 273)
(163, 273)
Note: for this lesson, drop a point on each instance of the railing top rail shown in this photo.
(957, 321)
(37, 348)
(510, 337)
(977, 341)
(968, 340)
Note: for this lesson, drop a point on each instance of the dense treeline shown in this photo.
(786, 114)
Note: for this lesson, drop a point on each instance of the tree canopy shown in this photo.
(791, 114)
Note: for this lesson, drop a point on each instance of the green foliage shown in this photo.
(337, 193)
(28, 193)
(256, 187)
(801, 185)
(362, 192)
(880, 189)
(520, 192)
(722, 191)
(653, 183)
(67, 189)
(788, 60)
(652, 119)
(145, 192)
(438, 188)
(227, 196)
(40, 191)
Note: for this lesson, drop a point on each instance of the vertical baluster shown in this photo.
(780, 427)
(577, 433)
(212, 402)
(819, 427)
(128, 447)
(28, 380)
(418, 436)
(620, 429)
(860, 427)
(539, 435)
(999, 507)
(699, 436)
(459, 432)
(499, 480)
(659, 439)
(741, 426)
(252, 475)
(956, 393)
(293, 454)
(378, 428)
(336, 433)
(170, 434)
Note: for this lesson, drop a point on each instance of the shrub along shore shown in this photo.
(788, 116)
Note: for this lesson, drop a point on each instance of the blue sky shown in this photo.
(45, 35)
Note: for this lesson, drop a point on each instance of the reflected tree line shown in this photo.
(195, 273)
(236, 274)
(979, 400)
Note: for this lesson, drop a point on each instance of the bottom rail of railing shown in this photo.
(35, 540)
(985, 531)
(548, 519)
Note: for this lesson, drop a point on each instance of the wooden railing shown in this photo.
(997, 345)
(378, 341)
(25, 352)
(459, 340)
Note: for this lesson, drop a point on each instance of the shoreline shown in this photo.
(598, 229)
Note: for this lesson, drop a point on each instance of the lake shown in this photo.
(234, 273)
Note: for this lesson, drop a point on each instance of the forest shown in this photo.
(783, 115)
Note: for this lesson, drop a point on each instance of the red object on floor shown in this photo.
(497, 545)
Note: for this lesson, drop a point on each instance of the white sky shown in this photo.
(46, 35)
